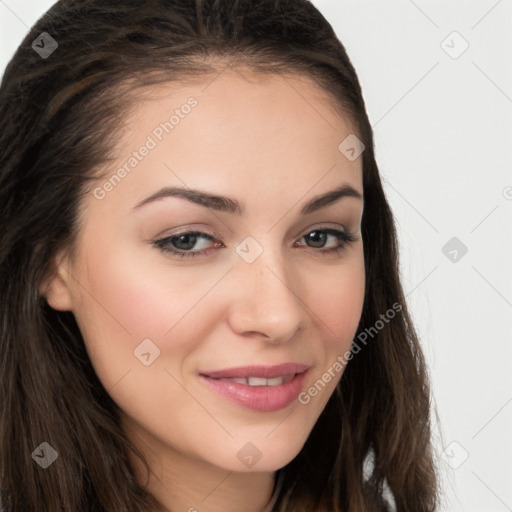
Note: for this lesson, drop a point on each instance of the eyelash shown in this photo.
(344, 237)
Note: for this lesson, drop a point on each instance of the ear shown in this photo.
(56, 288)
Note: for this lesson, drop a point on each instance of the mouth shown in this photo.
(260, 381)
(260, 388)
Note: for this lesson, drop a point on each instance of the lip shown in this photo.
(258, 398)
(264, 372)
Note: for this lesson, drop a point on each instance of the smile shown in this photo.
(260, 388)
(258, 381)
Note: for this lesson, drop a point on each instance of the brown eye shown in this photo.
(183, 243)
(319, 238)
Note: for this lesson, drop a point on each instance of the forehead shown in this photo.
(249, 133)
(259, 104)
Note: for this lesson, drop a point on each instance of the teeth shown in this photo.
(259, 381)
(275, 382)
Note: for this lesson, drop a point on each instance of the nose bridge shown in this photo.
(268, 300)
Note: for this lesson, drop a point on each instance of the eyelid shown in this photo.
(204, 231)
(185, 230)
(343, 235)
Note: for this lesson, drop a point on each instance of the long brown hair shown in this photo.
(60, 120)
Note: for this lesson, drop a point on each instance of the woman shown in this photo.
(201, 302)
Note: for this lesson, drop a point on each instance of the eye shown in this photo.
(196, 243)
(319, 238)
(182, 244)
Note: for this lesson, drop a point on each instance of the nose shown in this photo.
(267, 302)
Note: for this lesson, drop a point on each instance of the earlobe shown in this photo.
(56, 289)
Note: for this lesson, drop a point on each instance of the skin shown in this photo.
(272, 144)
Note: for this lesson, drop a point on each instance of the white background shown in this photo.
(443, 134)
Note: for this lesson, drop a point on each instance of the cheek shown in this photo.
(131, 314)
(336, 298)
(124, 301)
(127, 293)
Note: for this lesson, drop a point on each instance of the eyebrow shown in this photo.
(228, 205)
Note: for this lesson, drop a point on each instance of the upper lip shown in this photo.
(264, 372)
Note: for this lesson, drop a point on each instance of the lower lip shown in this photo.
(259, 398)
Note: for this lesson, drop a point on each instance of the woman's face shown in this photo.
(209, 343)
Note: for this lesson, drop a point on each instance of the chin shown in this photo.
(263, 457)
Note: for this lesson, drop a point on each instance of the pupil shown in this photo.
(191, 242)
(318, 238)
